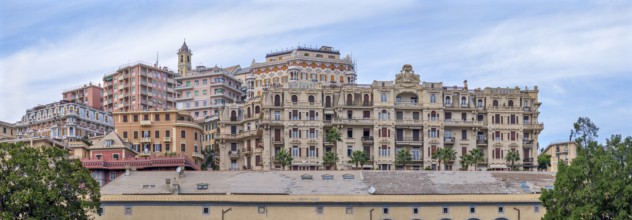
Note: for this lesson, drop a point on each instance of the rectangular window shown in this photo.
(415, 211)
(124, 118)
(319, 209)
(112, 175)
(445, 210)
(261, 209)
(385, 210)
(349, 210)
(157, 134)
(167, 117)
(350, 133)
(135, 118)
(472, 210)
(205, 211)
(135, 134)
(128, 210)
(124, 134)
(501, 209)
(183, 134)
(536, 208)
(157, 117)
(183, 147)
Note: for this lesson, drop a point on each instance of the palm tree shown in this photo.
(358, 158)
(477, 157)
(403, 157)
(333, 136)
(284, 158)
(466, 161)
(207, 152)
(512, 157)
(438, 155)
(444, 154)
(330, 159)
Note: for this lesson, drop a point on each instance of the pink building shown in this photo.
(89, 94)
(139, 86)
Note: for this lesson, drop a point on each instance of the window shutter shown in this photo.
(316, 152)
(300, 152)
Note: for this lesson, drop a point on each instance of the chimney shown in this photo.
(465, 84)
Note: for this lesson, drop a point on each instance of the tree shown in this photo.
(207, 152)
(358, 158)
(333, 136)
(42, 183)
(512, 157)
(597, 184)
(477, 157)
(403, 157)
(284, 158)
(584, 131)
(544, 161)
(330, 159)
(444, 154)
(466, 161)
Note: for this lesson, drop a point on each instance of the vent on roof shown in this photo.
(202, 186)
(328, 177)
(307, 177)
(149, 186)
(348, 177)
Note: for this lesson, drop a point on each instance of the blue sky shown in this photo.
(579, 53)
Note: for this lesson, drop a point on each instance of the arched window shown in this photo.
(510, 103)
(257, 109)
(433, 116)
(349, 99)
(463, 101)
(328, 101)
(311, 98)
(495, 103)
(294, 98)
(433, 98)
(366, 99)
(448, 100)
(233, 115)
(277, 100)
(383, 97)
(479, 103)
(384, 115)
(526, 103)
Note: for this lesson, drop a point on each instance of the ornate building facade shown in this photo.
(379, 119)
(64, 121)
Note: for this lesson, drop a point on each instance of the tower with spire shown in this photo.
(184, 59)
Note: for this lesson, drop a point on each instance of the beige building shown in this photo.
(315, 195)
(139, 86)
(7, 130)
(322, 64)
(561, 152)
(379, 119)
(159, 133)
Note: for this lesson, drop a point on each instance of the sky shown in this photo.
(578, 53)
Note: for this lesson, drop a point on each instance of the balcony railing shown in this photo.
(449, 140)
(527, 160)
(481, 142)
(409, 140)
(167, 139)
(407, 104)
(145, 139)
(233, 154)
(145, 123)
(463, 123)
(138, 163)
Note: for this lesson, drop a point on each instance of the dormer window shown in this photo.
(109, 143)
(328, 177)
(348, 177)
(202, 186)
(307, 177)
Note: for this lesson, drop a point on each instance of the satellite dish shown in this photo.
(371, 190)
(179, 169)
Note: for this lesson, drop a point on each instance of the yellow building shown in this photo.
(562, 152)
(315, 195)
(7, 130)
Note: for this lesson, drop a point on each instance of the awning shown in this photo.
(498, 166)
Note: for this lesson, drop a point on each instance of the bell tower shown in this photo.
(184, 59)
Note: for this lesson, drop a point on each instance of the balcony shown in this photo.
(233, 154)
(145, 140)
(527, 143)
(448, 140)
(167, 139)
(145, 123)
(417, 141)
(407, 105)
(408, 121)
(198, 155)
(355, 121)
(527, 161)
(457, 123)
(481, 142)
(533, 126)
(247, 151)
(277, 140)
(368, 140)
(138, 163)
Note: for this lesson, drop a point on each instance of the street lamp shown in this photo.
(225, 211)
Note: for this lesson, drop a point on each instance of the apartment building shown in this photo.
(65, 121)
(380, 119)
(160, 133)
(316, 195)
(203, 91)
(7, 130)
(322, 64)
(139, 86)
(561, 152)
(89, 94)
